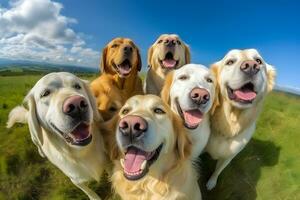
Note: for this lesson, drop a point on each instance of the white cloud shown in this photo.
(36, 30)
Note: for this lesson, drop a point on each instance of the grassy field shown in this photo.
(268, 168)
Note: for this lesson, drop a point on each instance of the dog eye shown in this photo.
(178, 42)
(159, 111)
(45, 93)
(229, 62)
(77, 86)
(183, 77)
(259, 61)
(159, 41)
(209, 80)
(125, 111)
(114, 45)
(112, 109)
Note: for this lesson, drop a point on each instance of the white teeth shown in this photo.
(122, 162)
(143, 166)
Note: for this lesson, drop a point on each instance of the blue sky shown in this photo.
(211, 28)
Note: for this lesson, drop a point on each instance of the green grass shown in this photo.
(268, 168)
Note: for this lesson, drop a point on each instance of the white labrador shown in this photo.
(62, 121)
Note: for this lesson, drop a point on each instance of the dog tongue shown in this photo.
(169, 63)
(192, 117)
(124, 68)
(246, 95)
(81, 132)
(134, 159)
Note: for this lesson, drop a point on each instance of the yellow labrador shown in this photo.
(167, 53)
(62, 118)
(190, 91)
(154, 153)
(244, 79)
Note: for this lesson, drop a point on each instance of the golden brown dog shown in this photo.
(167, 53)
(244, 79)
(120, 64)
(151, 152)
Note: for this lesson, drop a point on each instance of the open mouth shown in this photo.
(79, 136)
(169, 62)
(137, 162)
(124, 68)
(192, 118)
(245, 94)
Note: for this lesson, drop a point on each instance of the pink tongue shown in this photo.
(245, 95)
(81, 132)
(192, 117)
(134, 159)
(124, 69)
(169, 63)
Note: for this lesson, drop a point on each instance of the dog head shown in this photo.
(147, 133)
(244, 77)
(167, 53)
(121, 56)
(190, 91)
(62, 104)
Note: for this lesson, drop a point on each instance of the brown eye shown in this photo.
(125, 111)
(258, 61)
(209, 80)
(229, 62)
(45, 93)
(159, 41)
(77, 86)
(178, 42)
(159, 111)
(114, 45)
(183, 77)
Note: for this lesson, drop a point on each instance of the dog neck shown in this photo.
(127, 83)
(230, 121)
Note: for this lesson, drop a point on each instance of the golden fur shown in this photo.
(173, 164)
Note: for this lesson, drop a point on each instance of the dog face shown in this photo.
(167, 53)
(244, 77)
(190, 91)
(147, 132)
(121, 56)
(64, 107)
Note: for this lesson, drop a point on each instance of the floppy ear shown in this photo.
(165, 92)
(150, 54)
(215, 71)
(271, 75)
(33, 123)
(183, 142)
(187, 53)
(96, 115)
(103, 60)
(139, 62)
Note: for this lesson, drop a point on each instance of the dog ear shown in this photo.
(187, 54)
(271, 75)
(215, 71)
(183, 142)
(165, 92)
(33, 123)
(103, 64)
(96, 115)
(139, 62)
(150, 54)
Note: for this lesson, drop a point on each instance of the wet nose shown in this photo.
(199, 96)
(74, 106)
(127, 49)
(250, 67)
(133, 126)
(170, 42)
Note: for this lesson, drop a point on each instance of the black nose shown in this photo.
(250, 67)
(127, 49)
(133, 126)
(199, 96)
(74, 106)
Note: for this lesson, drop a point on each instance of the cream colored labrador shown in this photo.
(62, 118)
(244, 79)
(190, 91)
(167, 53)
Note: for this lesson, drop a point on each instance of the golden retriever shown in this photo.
(120, 64)
(244, 79)
(190, 91)
(63, 123)
(167, 53)
(153, 159)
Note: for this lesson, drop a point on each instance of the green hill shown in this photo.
(268, 168)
